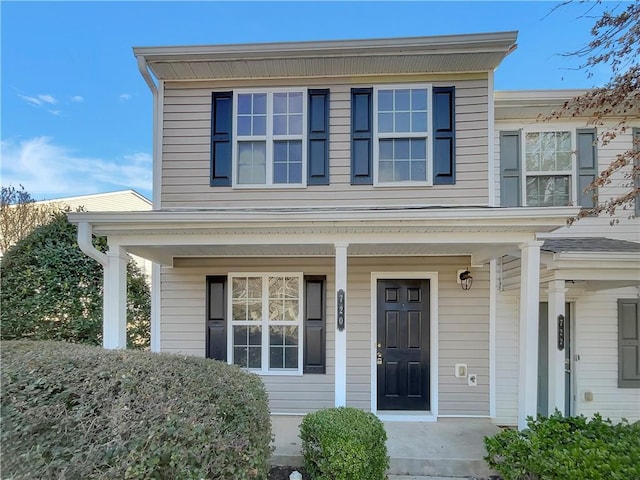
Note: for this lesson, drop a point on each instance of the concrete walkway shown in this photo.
(448, 448)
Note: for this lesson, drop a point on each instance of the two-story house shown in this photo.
(367, 223)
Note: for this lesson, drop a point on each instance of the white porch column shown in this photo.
(114, 323)
(341, 336)
(556, 357)
(528, 333)
(155, 307)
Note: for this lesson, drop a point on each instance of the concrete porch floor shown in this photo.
(446, 448)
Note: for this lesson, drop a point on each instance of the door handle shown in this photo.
(379, 358)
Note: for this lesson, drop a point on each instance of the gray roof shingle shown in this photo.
(589, 244)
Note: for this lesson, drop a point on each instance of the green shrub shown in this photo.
(51, 290)
(344, 444)
(78, 411)
(567, 448)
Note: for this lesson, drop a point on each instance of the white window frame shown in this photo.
(269, 138)
(377, 137)
(265, 323)
(573, 181)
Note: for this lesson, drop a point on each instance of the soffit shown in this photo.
(438, 54)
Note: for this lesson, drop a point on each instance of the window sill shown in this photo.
(402, 184)
(280, 186)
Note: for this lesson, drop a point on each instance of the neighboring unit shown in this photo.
(367, 223)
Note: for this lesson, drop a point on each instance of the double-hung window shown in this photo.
(551, 167)
(548, 168)
(266, 322)
(402, 134)
(270, 138)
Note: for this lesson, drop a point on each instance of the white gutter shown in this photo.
(85, 233)
(157, 170)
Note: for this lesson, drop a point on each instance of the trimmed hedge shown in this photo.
(78, 411)
(573, 448)
(344, 444)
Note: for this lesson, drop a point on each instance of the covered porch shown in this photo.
(199, 241)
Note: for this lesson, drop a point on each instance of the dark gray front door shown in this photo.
(403, 345)
(543, 359)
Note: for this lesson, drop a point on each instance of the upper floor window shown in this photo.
(402, 134)
(269, 138)
(549, 168)
(557, 167)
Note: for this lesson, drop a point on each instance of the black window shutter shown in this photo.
(221, 142)
(217, 318)
(318, 164)
(361, 136)
(635, 137)
(444, 136)
(315, 334)
(510, 169)
(587, 159)
(629, 343)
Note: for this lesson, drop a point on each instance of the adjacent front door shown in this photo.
(402, 353)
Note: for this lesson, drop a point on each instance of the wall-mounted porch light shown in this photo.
(465, 279)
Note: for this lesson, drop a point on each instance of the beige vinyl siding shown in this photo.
(463, 326)
(507, 359)
(186, 154)
(182, 324)
(463, 329)
(596, 343)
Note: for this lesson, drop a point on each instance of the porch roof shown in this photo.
(478, 52)
(481, 232)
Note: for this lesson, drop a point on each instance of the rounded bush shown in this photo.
(344, 444)
(78, 411)
(567, 447)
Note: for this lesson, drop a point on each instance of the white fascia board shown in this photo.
(497, 41)
(470, 216)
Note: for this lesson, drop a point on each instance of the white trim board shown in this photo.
(427, 416)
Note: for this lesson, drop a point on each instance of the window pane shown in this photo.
(254, 287)
(532, 151)
(239, 311)
(295, 102)
(276, 287)
(291, 357)
(280, 151)
(280, 173)
(276, 357)
(403, 122)
(419, 122)
(279, 103)
(244, 125)
(295, 124)
(563, 161)
(385, 122)
(385, 100)
(291, 310)
(240, 356)
(418, 149)
(276, 336)
(402, 98)
(295, 173)
(259, 125)
(255, 335)
(402, 171)
(260, 103)
(280, 124)
(543, 191)
(418, 171)
(386, 150)
(287, 161)
(240, 335)
(385, 172)
(251, 162)
(419, 99)
(255, 357)
(254, 310)
(295, 151)
(401, 149)
(244, 103)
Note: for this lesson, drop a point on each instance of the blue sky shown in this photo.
(76, 114)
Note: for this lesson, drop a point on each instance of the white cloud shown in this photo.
(47, 99)
(125, 96)
(31, 100)
(55, 112)
(77, 99)
(48, 170)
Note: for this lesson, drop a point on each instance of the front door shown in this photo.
(402, 354)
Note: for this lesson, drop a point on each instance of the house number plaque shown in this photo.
(341, 309)
(560, 332)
